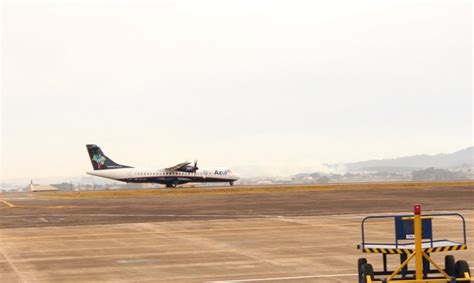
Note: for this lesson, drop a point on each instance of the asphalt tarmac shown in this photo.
(295, 235)
(49, 209)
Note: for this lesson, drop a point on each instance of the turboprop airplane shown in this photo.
(171, 177)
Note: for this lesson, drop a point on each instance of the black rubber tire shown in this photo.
(450, 265)
(462, 267)
(366, 269)
(361, 261)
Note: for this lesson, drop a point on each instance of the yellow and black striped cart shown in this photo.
(414, 241)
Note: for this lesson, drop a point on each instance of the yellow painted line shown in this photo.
(52, 206)
(259, 189)
(7, 203)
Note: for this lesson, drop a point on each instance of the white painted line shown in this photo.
(231, 216)
(15, 269)
(138, 261)
(287, 278)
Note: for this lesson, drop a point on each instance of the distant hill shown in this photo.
(458, 159)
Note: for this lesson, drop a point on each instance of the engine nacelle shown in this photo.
(189, 168)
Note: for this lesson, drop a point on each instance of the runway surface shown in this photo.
(49, 209)
(297, 235)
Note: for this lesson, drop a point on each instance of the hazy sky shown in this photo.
(273, 86)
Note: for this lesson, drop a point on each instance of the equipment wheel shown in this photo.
(450, 265)
(367, 270)
(462, 267)
(361, 261)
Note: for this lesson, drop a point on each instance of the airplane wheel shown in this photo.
(231, 183)
(462, 267)
(367, 270)
(360, 262)
(449, 265)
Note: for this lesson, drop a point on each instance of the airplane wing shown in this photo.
(178, 167)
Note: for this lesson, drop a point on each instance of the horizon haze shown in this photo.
(453, 160)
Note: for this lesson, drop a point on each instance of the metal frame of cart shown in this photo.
(414, 241)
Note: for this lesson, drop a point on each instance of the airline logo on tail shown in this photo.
(99, 159)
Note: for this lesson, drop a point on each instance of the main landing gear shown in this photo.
(231, 183)
(171, 185)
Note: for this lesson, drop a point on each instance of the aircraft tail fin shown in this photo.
(100, 161)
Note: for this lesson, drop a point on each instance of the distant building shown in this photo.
(42, 188)
(68, 187)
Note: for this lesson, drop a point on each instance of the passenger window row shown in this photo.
(170, 173)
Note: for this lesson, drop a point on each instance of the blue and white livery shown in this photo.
(171, 177)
